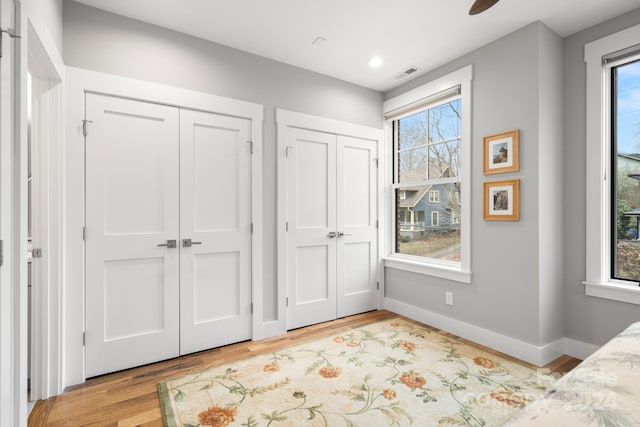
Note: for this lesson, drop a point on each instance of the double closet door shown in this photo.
(168, 232)
(331, 226)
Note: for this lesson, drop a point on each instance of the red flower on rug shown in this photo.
(338, 340)
(272, 367)
(484, 362)
(330, 372)
(412, 380)
(353, 344)
(509, 397)
(389, 394)
(406, 345)
(217, 417)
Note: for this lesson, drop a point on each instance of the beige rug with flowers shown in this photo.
(391, 373)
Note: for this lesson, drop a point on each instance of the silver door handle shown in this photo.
(187, 243)
(341, 234)
(332, 234)
(170, 244)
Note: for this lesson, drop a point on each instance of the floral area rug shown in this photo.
(391, 373)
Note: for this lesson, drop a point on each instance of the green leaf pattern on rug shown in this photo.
(393, 369)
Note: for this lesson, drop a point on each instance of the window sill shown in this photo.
(614, 290)
(444, 270)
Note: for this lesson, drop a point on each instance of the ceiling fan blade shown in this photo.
(480, 6)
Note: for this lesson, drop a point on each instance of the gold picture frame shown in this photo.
(501, 152)
(502, 200)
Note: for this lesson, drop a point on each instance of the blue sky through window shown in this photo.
(628, 120)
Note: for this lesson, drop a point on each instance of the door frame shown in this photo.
(284, 120)
(79, 81)
(46, 125)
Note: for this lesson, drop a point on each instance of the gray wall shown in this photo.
(109, 43)
(46, 16)
(514, 78)
(588, 319)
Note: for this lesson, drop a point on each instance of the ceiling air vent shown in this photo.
(406, 72)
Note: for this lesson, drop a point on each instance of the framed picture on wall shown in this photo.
(502, 200)
(501, 152)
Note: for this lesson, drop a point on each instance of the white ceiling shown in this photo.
(421, 33)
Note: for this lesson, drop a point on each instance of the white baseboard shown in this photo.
(537, 355)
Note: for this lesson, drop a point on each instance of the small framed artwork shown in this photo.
(501, 152)
(502, 200)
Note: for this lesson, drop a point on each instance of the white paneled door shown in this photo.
(167, 232)
(215, 226)
(331, 226)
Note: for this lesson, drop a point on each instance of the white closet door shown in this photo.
(356, 223)
(215, 213)
(131, 208)
(311, 206)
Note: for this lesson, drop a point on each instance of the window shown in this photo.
(435, 219)
(428, 133)
(613, 196)
(625, 187)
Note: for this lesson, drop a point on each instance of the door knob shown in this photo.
(187, 243)
(332, 234)
(341, 234)
(170, 244)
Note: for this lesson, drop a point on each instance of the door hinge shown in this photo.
(11, 33)
(84, 126)
(251, 228)
(84, 234)
(251, 308)
(250, 146)
(378, 285)
(377, 224)
(287, 301)
(286, 227)
(1, 252)
(84, 338)
(376, 160)
(286, 150)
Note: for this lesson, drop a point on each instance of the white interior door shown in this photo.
(215, 214)
(357, 248)
(132, 200)
(312, 233)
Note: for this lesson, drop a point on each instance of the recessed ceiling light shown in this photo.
(375, 62)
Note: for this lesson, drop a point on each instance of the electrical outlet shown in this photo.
(448, 298)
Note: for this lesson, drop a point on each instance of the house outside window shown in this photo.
(428, 130)
(613, 167)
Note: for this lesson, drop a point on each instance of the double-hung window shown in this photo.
(613, 167)
(428, 132)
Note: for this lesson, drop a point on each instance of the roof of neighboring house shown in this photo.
(632, 156)
(414, 195)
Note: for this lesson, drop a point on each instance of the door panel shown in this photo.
(131, 208)
(215, 210)
(357, 226)
(311, 266)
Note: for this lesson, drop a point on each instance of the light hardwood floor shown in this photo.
(130, 398)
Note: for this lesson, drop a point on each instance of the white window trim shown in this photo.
(598, 281)
(436, 198)
(459, 272)
(437, 219)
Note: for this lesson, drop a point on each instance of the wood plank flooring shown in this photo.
(130, 398)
